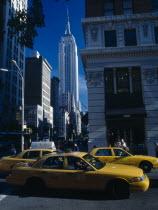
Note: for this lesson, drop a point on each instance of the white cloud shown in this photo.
(82, 83)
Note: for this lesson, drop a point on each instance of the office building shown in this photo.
(11, 81)
(37, 88)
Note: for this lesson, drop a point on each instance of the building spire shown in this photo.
(67, 31)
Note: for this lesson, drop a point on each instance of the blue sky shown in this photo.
(49, 37)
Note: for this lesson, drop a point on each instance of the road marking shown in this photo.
(2, 197)
(6, 193)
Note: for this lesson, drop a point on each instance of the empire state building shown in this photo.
(68, 70)
(68, 86)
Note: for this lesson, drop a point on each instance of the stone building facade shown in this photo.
(121, 65)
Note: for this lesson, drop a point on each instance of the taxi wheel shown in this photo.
(34, 185)
(146, 166)
(118, 189)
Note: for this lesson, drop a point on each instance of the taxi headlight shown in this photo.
(138, 179)
(155, 160)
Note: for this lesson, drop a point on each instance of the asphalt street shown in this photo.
(15, 199)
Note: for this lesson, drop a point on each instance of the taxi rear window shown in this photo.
(31, 155)
(45, 152)
(104, 152)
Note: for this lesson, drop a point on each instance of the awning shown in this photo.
(10, 132)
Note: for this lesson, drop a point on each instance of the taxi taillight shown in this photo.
(10, 171)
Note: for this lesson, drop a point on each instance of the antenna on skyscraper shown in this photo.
(67, 31)
(67, 15)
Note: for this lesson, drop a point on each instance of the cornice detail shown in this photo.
(120, 18)
(135, 52)
(94, 32)
(95, 79)
(150, 74)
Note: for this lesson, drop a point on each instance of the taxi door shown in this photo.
(52, 172)
(105, 155)
(88, 180)
(122, 157)
(58, 177)
(78, 178)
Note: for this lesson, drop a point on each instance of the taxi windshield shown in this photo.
(94, 161)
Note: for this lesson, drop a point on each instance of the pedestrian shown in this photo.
(94, 146)
(12, 150)
(60, 144)
(119, 144)
(124, 145)
(68, 150)
(76, 148)
(156, 149)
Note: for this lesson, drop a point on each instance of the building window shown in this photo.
(156, 35)
(110, 39)
(122, 79)
(155, 5)
(130, 37)
(108, 8)
(127, 7)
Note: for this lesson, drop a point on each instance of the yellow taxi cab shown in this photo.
(120, 156)
(28, 155)
(78, 171)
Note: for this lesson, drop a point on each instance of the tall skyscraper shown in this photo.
(68, 68)
(10, 82)
(68, 74)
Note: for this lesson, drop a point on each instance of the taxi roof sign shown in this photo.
(43, 145)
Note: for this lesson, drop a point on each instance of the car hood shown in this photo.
(121, 170)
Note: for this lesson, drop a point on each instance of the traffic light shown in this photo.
(27, 130)
(18, 116)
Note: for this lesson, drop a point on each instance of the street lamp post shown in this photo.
(22, 105)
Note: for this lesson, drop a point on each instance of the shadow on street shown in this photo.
(153, 183)
(64, 194)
